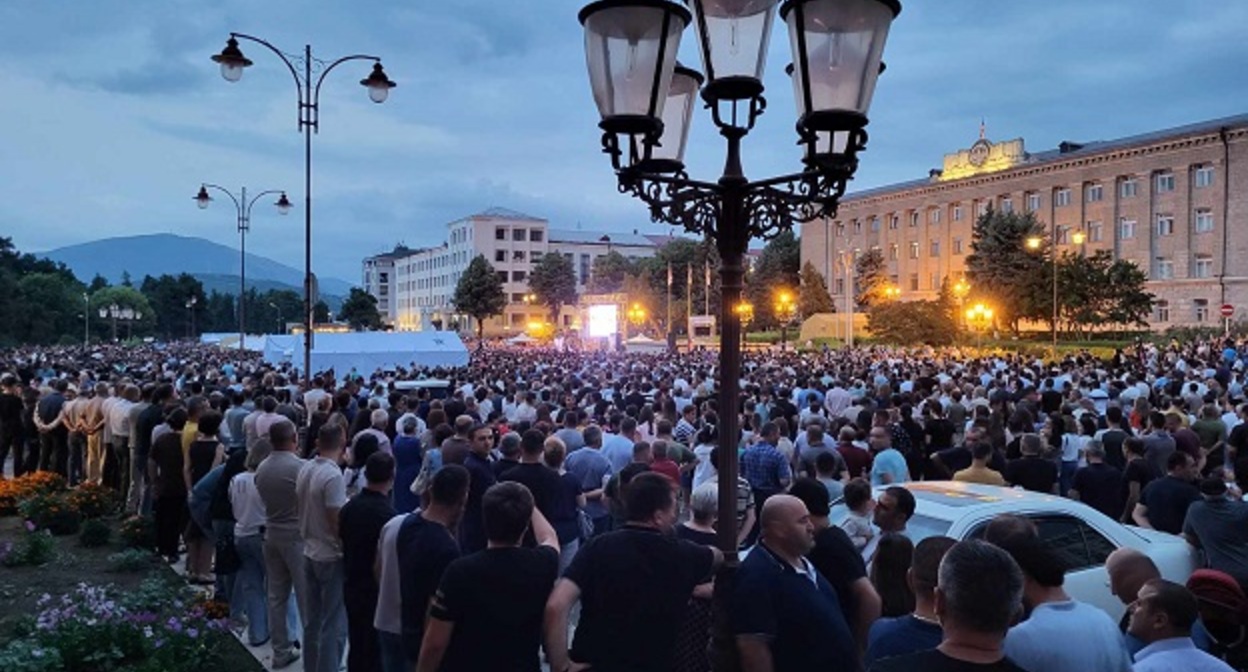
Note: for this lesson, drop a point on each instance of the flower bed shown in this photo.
(14, 490)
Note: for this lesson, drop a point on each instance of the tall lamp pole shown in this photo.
(646, 102)
(242, 208)
(86, 320)
(309, 73)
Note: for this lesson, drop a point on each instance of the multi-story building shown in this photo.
(1174, 202)
(378, 280)
(422, 282)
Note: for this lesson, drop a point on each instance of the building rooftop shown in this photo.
(1069, 150)
(604, 238)
(505, 213)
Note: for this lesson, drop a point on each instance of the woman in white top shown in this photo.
(249, 516)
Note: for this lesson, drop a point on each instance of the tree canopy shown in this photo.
(553, 281)
(360, 311)
(870, 279)
(479, 293)
(813, 297)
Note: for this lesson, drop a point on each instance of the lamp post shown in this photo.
(636, 314)
(127, 315)
(980, 318)
(242, 209)
(190, 316)
(309, 74)
(86, 320)
(1035, 244)
(785, 309)
(846, 262)
(646, 102)
(281, 325)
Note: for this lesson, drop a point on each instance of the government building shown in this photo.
(1174, 202)
(415, 287)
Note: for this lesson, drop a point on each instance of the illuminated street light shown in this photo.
(1034, 243)
(892, 292)
(636, 314)
(1078, 237)
(979, 317)
(785, 310)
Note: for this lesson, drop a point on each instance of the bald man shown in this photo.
(1129, 569)
(785, 615)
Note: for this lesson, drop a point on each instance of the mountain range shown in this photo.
(213, 264)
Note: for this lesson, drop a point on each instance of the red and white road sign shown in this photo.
(1227, 310)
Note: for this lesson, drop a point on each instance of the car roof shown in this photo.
(954, 500)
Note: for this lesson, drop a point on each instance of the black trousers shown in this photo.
(54, 451)
(12, 441)
(364, 645)
(171, 515)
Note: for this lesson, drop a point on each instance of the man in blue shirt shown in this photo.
(918, 631)
(1162, 617)
(786, 615)
(591, 468)
(764, 466)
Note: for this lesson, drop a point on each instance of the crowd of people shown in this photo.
(543, 505)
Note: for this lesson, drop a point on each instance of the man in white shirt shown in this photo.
(1162, 617)
(321, 493)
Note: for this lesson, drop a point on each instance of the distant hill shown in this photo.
(166, 253)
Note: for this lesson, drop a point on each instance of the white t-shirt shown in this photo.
(320, 486)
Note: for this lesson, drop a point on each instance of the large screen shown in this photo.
(603, 320)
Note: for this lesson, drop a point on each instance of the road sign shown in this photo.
(1227, 310)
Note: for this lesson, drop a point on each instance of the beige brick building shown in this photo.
(1174, 202)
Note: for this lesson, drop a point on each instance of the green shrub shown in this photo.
(138, 532)
(51, 511)
(95, 533)
(93, 501)
(35, 548)
(130, 561)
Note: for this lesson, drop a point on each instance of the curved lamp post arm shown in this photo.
(252, 201)
(316, 91)
(294, 73)
(238, 207)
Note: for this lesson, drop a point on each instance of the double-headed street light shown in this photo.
(1035, 244)
(979, 317)
(636, 314)
(784, 310)
(242, 208)
(646, 102)
(190, 316)
(309, 73)
(127, 315)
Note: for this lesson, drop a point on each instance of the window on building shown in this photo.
(586, 265)
(1033, 202)
(1204, 177)
(914, 282)
(982, 208)
(519, 234)
(500, 255)
(1061, 198)
(934, 216)
(1203, 267)
(914, 249)
(1093, 193)
(1204, 220)
(535, 257)
(1126, 229)
(875, 224)
(1165, 182)
(934, 249)
(840, 229)
(957, 213)
(1128, 188)
(517, 297)
(1007, 205)
(1201, 307)
(500, 233)
(957, 246)
(935, 280)
(519, 276)
(892, 252)
(518, 255)
(1165, 268)
(536, 235)
(857, 226)
(914, 218)
(502, 276)
(1095, 234)
(840, 286)
(1165, 225)
(894, 221)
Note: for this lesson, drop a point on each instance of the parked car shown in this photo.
(1082, 536)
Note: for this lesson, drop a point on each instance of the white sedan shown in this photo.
(1082, 536)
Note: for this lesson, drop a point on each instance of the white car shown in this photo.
(1082, 536)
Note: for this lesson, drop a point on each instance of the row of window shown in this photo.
(1201, 223)
(519, 234)
(1203, 177)
(1202, 267)
(1200, 310)
(500, 256)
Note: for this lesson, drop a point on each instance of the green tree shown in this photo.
(912, 322)
(97, 283)
(778, 266)
(1097, 291)
(320, 311)
(360, 311)
(479, 293)
(169, 297)
(554, 283)
(1002, 266)
(124, 298)
(609, 272)
(813, 296)
(49, 310)
(870, 279)
(125, 279)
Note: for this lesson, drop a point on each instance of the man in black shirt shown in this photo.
(541, 481)
(472, 530)
(978, 595)
(838, 561)
(11, 433)
(1164, 502)
(1098, 485)
(359, 524)
(487, 613)
(53, 434)
(425, 546)
(1137, 474)
(1031, 471)
(633, 585)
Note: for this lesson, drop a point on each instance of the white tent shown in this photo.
(644, 344)
(367, 351)
(521, 339)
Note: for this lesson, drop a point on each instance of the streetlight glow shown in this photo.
(1034, 242)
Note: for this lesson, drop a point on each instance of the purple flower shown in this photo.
(174, 624)
(192, 633)
(30, 526)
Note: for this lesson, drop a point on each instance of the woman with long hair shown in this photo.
(892, 560)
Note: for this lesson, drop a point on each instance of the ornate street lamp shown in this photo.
(980, 318)
(309, 74)
(630, 48)
(242, 209)
(784, 310)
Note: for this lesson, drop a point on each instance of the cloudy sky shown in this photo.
(111, 113)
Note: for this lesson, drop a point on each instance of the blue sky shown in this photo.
(111, 113)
